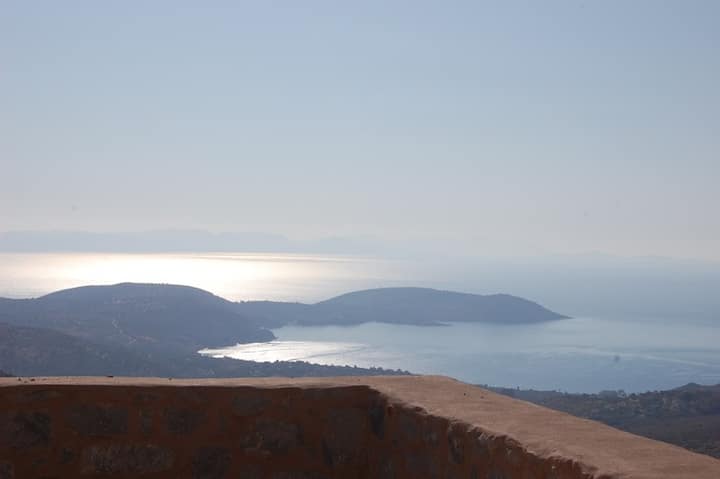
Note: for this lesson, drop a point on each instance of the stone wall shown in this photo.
(409, 427)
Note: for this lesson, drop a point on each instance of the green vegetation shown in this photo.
(416, 306)
(44, 352)
(688, 416)
(137, 330)
(156, 329)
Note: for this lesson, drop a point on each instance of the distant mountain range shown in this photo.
(186, 241)
(153, 329)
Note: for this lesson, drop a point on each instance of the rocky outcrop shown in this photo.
(377, 427)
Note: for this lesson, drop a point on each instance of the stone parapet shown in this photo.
(305, 428)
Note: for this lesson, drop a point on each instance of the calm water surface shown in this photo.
(235, 276)
(577, 355)
(582, 354)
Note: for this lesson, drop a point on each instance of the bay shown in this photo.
(588, 353)
(574, 355)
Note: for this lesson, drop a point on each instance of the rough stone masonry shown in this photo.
(361, 427)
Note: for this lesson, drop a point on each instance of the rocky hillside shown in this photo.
(138, 316)
(136, 330)
(688, 416)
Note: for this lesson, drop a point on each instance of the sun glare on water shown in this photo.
(235, 276)
(202, 272)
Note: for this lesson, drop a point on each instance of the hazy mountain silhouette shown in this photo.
(184, 241)
(417, 306)
(140, 316)
(161, 316)
(136, 330)
(157, 329)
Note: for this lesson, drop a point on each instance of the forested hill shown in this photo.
(416, 306)
(688, 416)
(161, 316)
(136, 330)
(138, 316)
(45, 352)
(157, 329)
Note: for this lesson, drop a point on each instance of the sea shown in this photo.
(588, 353)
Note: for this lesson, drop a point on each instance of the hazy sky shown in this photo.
(510, 126)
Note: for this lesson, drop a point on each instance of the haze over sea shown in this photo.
(620, 337)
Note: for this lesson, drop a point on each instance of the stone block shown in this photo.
(211, 463)
(297, 475)
(272, 436)
(146, 421)
(98, 420)
(67, 455)
(7, 471)
(377, 419)
(407, 426)
(20, 430)
(250, 404)
(124, 459)
(344, 435)
(183, 421)
(250, 471)
(456, 443)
